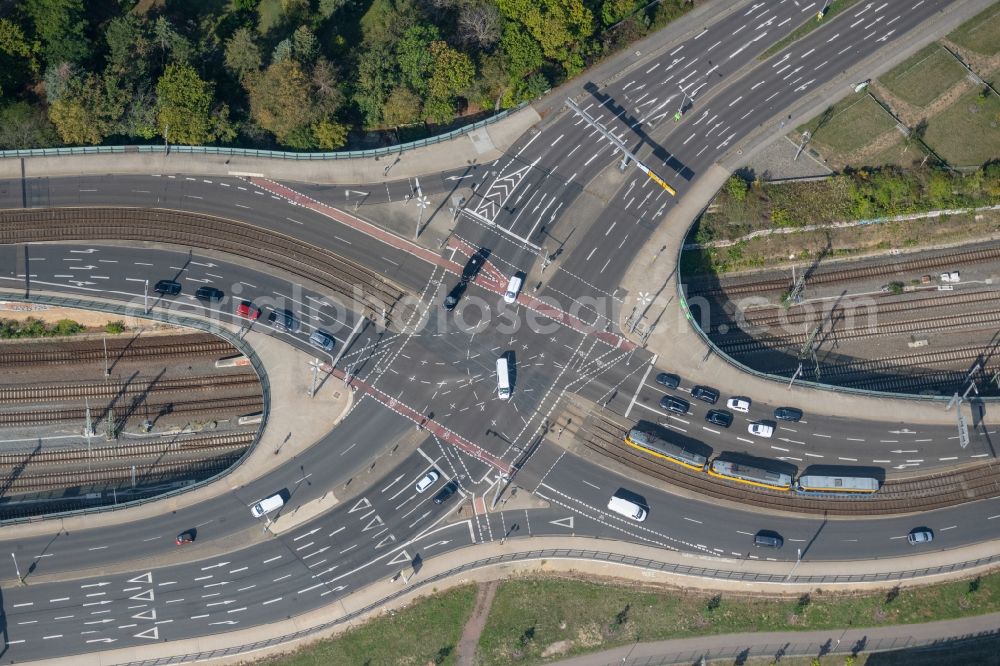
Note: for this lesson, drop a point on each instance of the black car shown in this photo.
(719, 417)
(446, 492)
(768, 539)
(706, 393)
(788, 414)
(668, 380)
(474, 264)
(167, 288)
(451, 300)
(209, 294)
(284, 320)
(672, 404)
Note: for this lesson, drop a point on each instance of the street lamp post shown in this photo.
(145, 296)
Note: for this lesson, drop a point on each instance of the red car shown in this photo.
(248, 310)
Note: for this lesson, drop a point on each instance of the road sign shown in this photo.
(963, 429)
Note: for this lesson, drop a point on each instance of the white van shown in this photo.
(627, 508)
(513, 287)
(503, 378)
(267, 505)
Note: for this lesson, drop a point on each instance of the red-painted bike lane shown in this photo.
(428, 424)
(495, 280)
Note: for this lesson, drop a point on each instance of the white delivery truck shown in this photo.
(503, 378)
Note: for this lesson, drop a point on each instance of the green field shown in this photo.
(532, 617)
(537, 620)
(980, 34)
(850, 124)
(427, 632)
(967, 133)
(921, 78)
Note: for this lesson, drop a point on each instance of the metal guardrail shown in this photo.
(561, 553)
(682, 298)
(169, 318)
(267, 154)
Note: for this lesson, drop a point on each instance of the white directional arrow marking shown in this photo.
(208, 265)
(101, 640)
(437, 543)
(215, 566)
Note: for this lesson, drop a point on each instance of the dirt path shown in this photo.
(474, 627)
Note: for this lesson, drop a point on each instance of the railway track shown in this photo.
(376, 296)
(77, 353)
(101, 389)
(117, 476)
(124, 451)
(237, 405)
(807, 317)
(602, 435)
(990, 318)
(883, 269)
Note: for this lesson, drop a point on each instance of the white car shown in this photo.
(428, 481)
(513, 287)
(760, 429)
(739, 404)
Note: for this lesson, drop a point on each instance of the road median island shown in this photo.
(583, 558)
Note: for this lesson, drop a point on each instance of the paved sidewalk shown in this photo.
(479, 146)
(791, 643)
(378, 593)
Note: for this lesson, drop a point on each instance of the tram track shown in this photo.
(605, 436)
(376, 296)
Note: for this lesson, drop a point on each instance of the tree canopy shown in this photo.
(300, 74)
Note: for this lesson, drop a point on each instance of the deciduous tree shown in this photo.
(401, 108)
(280, 100)
(184, 106)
